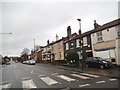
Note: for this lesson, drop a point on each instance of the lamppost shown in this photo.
(81, 43)
(5, 33)
(79, 25)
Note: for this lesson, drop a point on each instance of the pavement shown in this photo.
(113, 72)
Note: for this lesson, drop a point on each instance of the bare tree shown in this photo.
(25, 51)
(24, 54)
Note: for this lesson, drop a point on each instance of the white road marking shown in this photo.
(5, 86)
(90, 75)
(79, 76)
(66, 78)
(42, 75)
(84, 85)
(28, 84)
(54, 74)
(49, 81)
(26, 78)
(101, 82)
(31, 72)
(112, 79)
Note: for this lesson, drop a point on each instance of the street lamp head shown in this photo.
(79, 19)
(5, 33)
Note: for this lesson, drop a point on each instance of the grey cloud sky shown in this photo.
(43, 20)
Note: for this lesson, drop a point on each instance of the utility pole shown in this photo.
(34, 45)
(34, 49)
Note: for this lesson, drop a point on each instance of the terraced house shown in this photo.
(80, 44)
(106, 41)
(103, 41)
(54, 51)
(46, 52)
(57, 51)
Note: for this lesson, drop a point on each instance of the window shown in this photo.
(71, 45)
(118, 31)
(85, 41)
(99, 36)
(77, 43)
(67, 47)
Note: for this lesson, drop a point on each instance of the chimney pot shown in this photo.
(96, 25)
(48, 42)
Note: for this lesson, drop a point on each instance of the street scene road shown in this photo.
(61, 45)
(18, 75)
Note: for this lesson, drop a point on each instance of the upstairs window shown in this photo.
(71, 45)
(118, 31)
(99, 36)
(85, 41)
(77, 43)
(67, 47)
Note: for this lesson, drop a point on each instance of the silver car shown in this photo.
(31, 62)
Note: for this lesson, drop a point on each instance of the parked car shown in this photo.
(27, 62)
(24, 62)
(97, 62)
(31, 62)
(7, 63)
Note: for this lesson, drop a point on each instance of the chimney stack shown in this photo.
(48, 42)
(96, 25)
(68, 31)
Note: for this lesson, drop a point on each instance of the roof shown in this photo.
(63, 39)
(107, 25)
(102, 27)
(71, 37)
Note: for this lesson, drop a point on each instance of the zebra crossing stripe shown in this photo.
(79, 76)
(28, 84)
(66, 78)
(5, 86)
(112, 79)
(84, 85)
(90, 75)
(26, 78)
(101, 82)
(49, 81)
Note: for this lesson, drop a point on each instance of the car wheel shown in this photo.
(86, 65)
(101, 67)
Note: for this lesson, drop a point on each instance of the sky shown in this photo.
(43, 19)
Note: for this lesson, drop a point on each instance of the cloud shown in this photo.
(43, 20)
